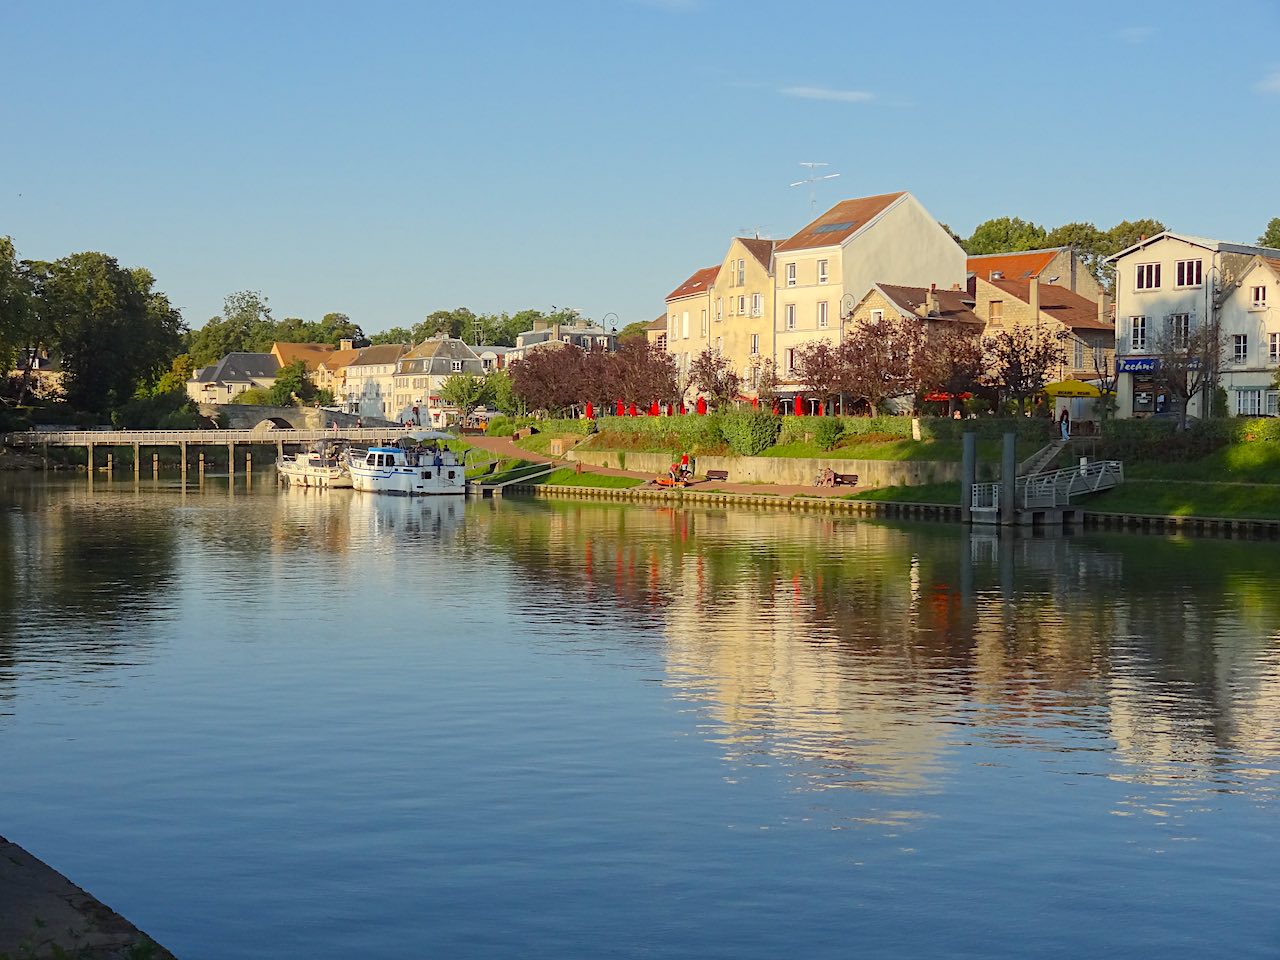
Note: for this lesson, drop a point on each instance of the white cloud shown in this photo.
(1270, 83)
(825, 93)
(1137, 34)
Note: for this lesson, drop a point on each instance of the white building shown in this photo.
(1170, 285)
(369, 387)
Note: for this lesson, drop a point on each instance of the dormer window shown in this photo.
(456, 366)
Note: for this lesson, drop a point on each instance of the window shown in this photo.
(791, 360)
(742, 273)
(1259, 298)
(1240, 348)
(1079, 354)
(742, 305)
(672, 329)
(757, 304)
(822, 271)
(456, 366)
(755, 344)
(1273, 403)
(877, 316)
(684, 325)
(1148, 276)
(791, 274)
(662, 341)
(1179, 327)
(1273, 348)
(1137, 333)
(1188, 273)
(1099, 357)
(719, 308)
(791, 316)
(1248, 403)
(702, 331)
(995, 312)
(822, 315)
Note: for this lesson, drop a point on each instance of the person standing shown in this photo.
(1064, 422)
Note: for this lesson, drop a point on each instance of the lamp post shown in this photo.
(614, 328)
(847, 303)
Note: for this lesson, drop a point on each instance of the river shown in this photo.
(301, 724)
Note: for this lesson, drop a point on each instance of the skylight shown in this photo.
(835, 227)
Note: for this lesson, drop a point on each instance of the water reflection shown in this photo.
(866, 653)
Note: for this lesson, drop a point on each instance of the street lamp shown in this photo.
(614, 328)
(847, 303)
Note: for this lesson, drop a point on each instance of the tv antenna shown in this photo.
(758, 232)
(813, 178)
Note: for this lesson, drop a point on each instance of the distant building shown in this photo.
(1057, 265)
(581, 333)
(492, 356)
(311, 354)
(368, 382)
(689, 318)
(422, 372)
(231, 376)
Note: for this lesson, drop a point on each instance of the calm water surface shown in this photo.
(282, 724)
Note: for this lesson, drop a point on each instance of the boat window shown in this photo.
(426, 474)
(452, 474)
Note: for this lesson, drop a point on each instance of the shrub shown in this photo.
(749, 433)
(827, 432)
(500, 426)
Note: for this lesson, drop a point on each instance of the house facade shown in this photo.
(689, 319)
(1090, 333)
(231, 376)
(823, 271)
(581, 333)
(421, 373)
(1056, 265)
(1171, 285)
(742, 299)
(368, 381)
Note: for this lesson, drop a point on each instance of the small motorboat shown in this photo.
(323, 467)
(419, 465)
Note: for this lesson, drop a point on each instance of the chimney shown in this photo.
(934, 308)
(1034, 299)
(345, 344)
(1104, 308)
(539, 325)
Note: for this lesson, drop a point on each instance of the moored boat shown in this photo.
(318, 468)
(412, 468)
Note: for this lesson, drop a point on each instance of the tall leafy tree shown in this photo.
(466, 391)
(711, 373)
(645, 373)
(17, 305)
(1005, 234)
(950, 362)
(245, 325)
(1189, 359)
(824, 368)
(879, 356)
(1020, 358)
(548, 378)
(1271, 236)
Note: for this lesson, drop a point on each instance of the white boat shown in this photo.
(411, 469)
(319, 468)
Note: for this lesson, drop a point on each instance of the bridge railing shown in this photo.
(124, 438)
(1057, 487)
(985, 496)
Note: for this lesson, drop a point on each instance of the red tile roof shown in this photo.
(840, 222)
(700, 282)
(1274, 264)
(954, 305)
(1012, 266)
(311, 354)
(762, 250)
(659, 324)
(1066, 306)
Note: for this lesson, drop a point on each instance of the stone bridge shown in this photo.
(243, 416)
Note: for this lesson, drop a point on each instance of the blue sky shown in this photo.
(390, 159)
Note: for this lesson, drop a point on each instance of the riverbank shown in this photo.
(43, 914)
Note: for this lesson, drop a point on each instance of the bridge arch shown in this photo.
(273, 423)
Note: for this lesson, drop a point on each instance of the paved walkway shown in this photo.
(42, 913)
(505, 447)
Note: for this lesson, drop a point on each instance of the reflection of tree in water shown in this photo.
(80, 578)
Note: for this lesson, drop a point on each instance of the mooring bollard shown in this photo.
(248, 471)
(155, 466)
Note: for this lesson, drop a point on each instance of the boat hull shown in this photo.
(395, 472)
(297, 474)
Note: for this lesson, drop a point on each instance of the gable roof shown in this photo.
(840, 222)
(1021, 265)
(762, 250)
(700, 282)
(450, 348)
(311, 354)
(659, 324)
(1274, 264)
(1066, 306)
(338, 359)
(380, 353)
(245, 366)
(953, 305)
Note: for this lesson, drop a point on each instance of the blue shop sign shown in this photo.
(1137, 364)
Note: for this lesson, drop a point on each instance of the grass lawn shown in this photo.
(1233, 501)
(569, 477)
(924, 493)
(1257, 461)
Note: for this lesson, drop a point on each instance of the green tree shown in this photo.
(634, 331)
(1005, 235)
(17, 305)
(466, 392)
(1271, 236)
(1128, 232)
(175, 378)
(111, 329)
(504, 394)
(292, 385)
(394, 335)
(245, 326)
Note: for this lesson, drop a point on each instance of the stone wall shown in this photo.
(788, 470)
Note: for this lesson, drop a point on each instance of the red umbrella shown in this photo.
(671, 409)
(621, 410)
(632, 410)
(653, 409)
(798, 405)
(776, 411)
(683, 411)
(702, 406)
(755, 403)
(591, 411)
(821, 409)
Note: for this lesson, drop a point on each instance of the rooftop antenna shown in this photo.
(812, 179)
(757, 232)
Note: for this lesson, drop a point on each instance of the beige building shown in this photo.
(824, 270)
(1091, 341)
(689, 319)
(331, 371)
(1057, 265)
(421, 374)
(742, 299)
(368, 383)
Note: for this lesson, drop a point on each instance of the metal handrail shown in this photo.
(1056, 487)
(80, 438)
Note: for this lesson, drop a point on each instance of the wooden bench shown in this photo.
(717, 474)
(846, 480)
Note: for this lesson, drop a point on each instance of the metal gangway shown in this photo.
(1050, 490)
